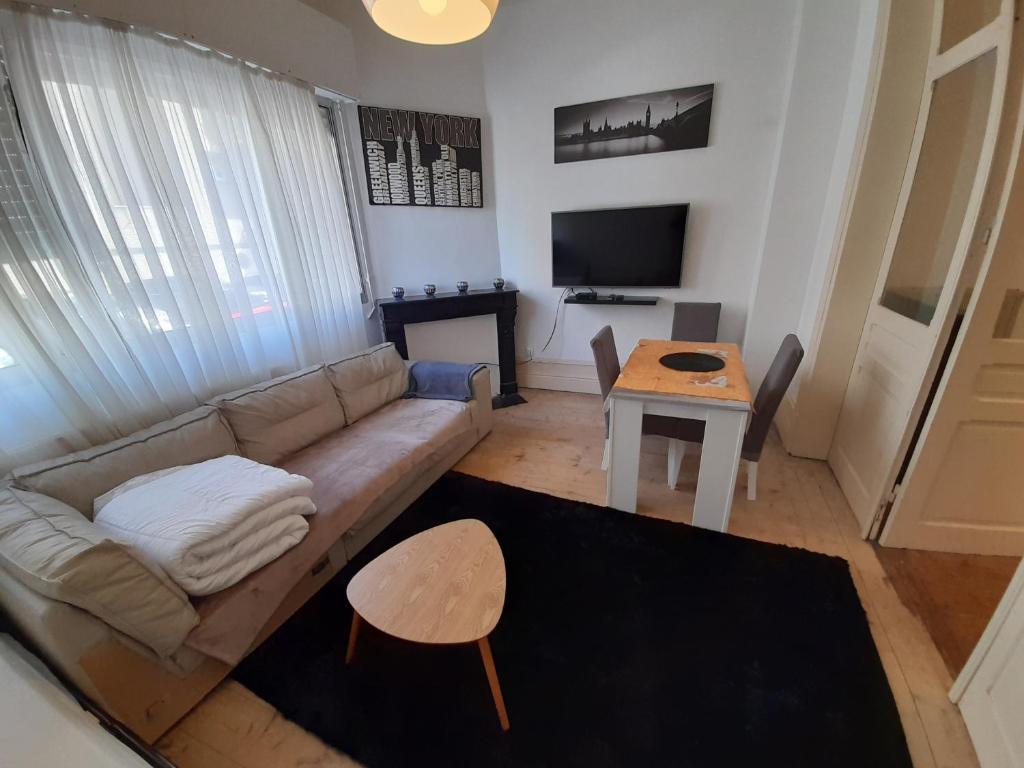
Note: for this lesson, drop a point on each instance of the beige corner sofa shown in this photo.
(369, 452)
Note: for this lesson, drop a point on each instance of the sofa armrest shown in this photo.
(124, 678)
(483, 412)
(60, 632)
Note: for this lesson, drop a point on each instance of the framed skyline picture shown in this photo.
(421, 158)
(634, 125)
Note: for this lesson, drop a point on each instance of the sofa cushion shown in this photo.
(278, 417)
(78, 478)
(351, 470)
(53, 550)
(369, 380)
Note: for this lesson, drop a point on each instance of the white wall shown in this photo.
(849, 143)
(817, 141)
(539, 55)
(807, 418)
(765, 195)
(410, 246)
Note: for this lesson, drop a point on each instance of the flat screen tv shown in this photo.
(619, 248)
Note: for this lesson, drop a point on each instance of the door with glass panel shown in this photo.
(936, 221)
(963, 488)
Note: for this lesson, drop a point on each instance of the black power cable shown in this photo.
(558, 308)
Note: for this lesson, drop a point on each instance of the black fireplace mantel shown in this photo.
(395, 314)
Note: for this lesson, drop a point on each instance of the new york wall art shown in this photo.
(421, 158)
(634, 125)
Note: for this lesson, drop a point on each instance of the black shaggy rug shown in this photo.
(625, 641)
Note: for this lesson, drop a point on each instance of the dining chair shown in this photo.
(766, 403)
(695, 320)
(606, 359)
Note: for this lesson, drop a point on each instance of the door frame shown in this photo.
(985, 667)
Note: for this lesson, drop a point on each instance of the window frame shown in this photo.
(339, 134)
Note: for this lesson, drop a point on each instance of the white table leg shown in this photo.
(676, 454)
(719, 462)
(624, 453)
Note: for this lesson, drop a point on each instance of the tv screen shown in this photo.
(616, 248)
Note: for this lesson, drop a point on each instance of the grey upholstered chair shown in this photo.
(606, 359)
(695, 320)
(766, 403)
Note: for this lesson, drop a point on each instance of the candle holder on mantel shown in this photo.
(398, 292)
(430, 289)
(499, 283)
(462, 286)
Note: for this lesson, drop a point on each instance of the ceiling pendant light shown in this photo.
(432, 22)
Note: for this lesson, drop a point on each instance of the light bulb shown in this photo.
(433, 7)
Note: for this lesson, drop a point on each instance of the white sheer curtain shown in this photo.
(42, 409)
(186, 232)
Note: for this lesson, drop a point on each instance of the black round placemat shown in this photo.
(696, 362)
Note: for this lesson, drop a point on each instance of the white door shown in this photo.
(964, 489)
(912, 307)
(990, 690)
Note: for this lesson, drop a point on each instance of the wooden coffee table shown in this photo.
(443, 586)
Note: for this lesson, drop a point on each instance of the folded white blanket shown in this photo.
(209, 525)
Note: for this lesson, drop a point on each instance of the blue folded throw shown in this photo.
(436, 380)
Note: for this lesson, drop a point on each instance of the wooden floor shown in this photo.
(234, 728)
(953, 595)
(554, 444)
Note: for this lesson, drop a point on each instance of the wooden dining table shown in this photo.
(719, 398)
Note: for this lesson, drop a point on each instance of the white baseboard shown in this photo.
(563, 376)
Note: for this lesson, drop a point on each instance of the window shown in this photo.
(192, 233)
(330, 113)
(941, 189)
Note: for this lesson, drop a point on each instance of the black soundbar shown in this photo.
(611, 298)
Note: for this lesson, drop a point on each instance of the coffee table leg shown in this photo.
(352, 635)
(492, 678)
